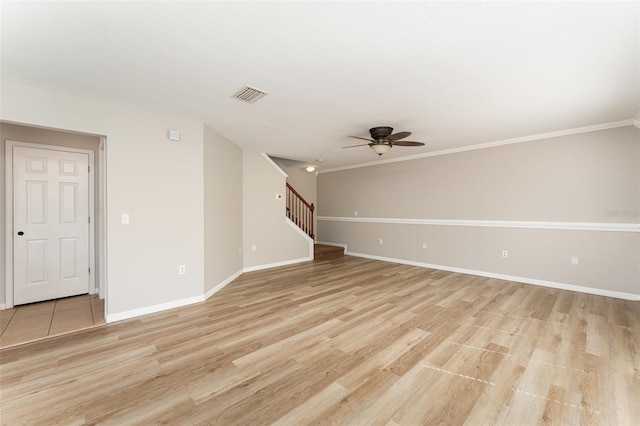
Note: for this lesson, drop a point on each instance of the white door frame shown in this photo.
(9, 214)
(102, 224)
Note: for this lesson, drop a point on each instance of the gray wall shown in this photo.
(222, 209)
(591, 177)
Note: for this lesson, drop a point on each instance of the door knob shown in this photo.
(20, 233)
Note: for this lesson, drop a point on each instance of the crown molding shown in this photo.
(548, 135)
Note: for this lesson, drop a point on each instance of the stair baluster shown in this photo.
(300, 211)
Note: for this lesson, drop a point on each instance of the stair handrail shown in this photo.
(300, 211)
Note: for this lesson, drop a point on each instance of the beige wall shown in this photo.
(572, 178)
(264, 223)
(591, 177)
(222, 209)
(159, 182)
(41, 136)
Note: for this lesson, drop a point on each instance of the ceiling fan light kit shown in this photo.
(382, 139)
(380, 148)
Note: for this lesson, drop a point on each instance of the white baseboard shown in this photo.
(196, 299)
(276, 264)
(3, 306)
(222, 285)
(524, 280)
(153, 309)
(171, 305)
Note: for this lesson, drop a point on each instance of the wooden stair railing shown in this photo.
(300, 211)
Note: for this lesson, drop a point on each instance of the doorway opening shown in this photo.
(54, 192)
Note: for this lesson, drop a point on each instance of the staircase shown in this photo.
(300, 212)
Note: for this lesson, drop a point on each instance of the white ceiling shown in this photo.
(453, 73)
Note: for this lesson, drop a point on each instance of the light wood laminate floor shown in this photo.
(346, 341)
(37, 321)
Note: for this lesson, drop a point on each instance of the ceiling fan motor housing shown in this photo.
(378, 133)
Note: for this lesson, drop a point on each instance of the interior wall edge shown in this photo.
(121, 316)
(222, 285)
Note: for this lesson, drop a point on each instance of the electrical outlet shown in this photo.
(355, 213)
(253, 247)
(380, 241)
(124, 218)
(182, 270)
(505, 253)
(575, 260)
(240, 250)
(424, 246)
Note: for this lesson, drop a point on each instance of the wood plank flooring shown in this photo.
(322, 252)
(37, 321)
(347, 341)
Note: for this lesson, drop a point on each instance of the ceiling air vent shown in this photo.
(249, 94)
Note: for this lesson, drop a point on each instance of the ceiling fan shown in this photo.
(382, 140)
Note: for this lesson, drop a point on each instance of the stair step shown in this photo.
(324, 252)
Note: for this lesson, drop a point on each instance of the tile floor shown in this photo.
(36, 321)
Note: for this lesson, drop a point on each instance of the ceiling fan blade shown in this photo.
(399, 135)
(353, 146)
(364, 139)
(408, 143)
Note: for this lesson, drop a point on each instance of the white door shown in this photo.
(50, 224)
